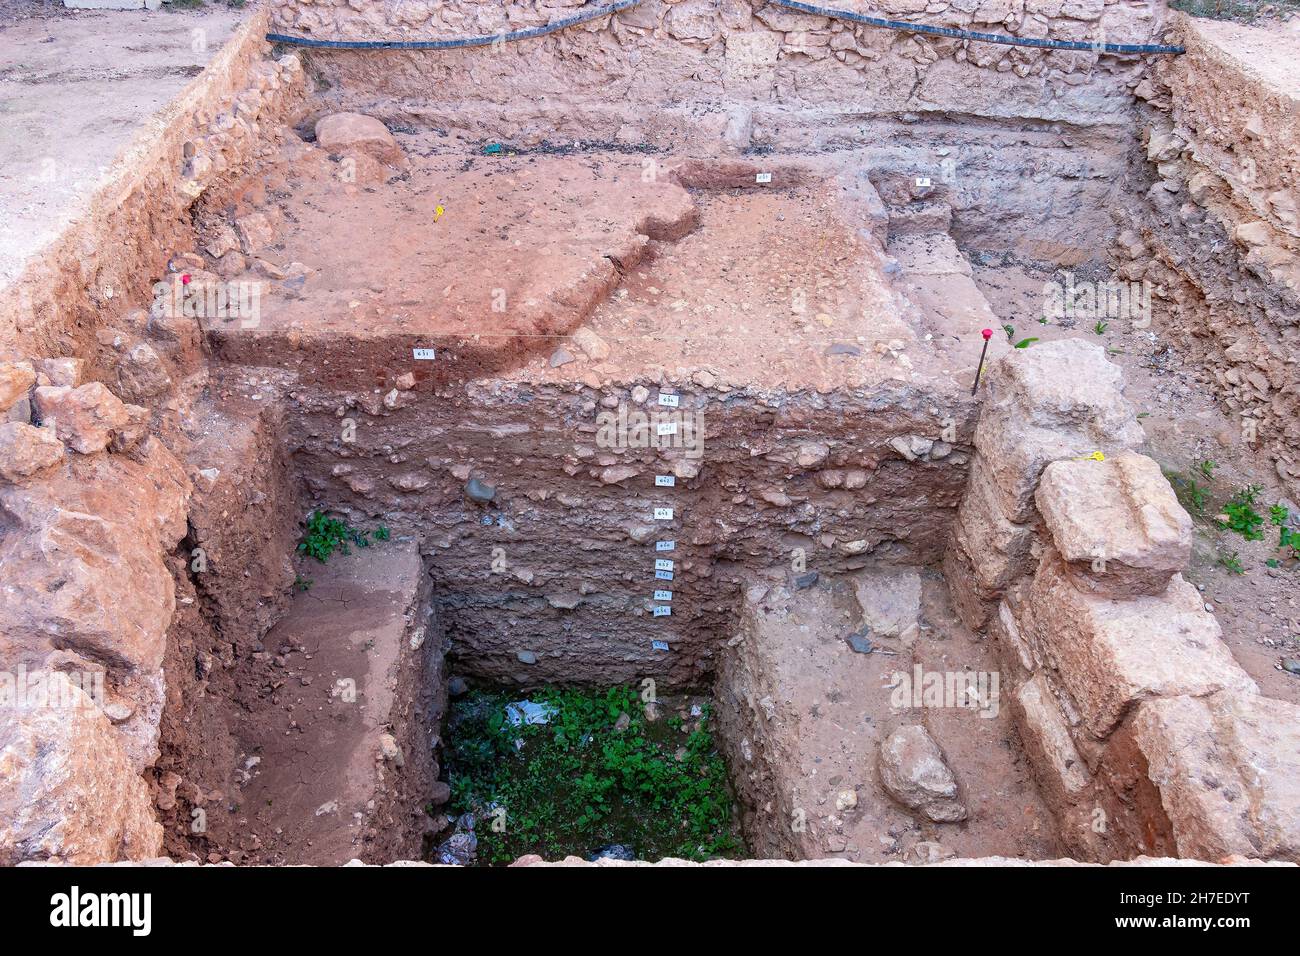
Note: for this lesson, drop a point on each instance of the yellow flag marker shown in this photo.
(1095, 456)
(437, 213)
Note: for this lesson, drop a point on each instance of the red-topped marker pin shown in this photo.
(988, 334)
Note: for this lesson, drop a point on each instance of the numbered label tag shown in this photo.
(424, 355)
(663, 575)
(663, 514)
(669, 400)
(665, 481)
(666, 428)
(665, 545)
(763, 178)
(663, 564)
(661, 611)
(663, 595)
(659, 645)
(923, 180)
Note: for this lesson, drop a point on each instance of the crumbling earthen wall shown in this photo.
(1218, 233)
(1146, 735)
(111, 257)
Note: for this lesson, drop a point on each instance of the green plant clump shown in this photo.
(578, 782)
(1242, 516)
(325, 535)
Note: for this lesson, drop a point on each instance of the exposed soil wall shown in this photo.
(1025, 136)
(560, 562)
(1218, 234)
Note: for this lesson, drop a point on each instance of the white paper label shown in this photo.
(669, 400)
(663, 514)
(659, 645)
(666, 428)
(763, 178)
(923, 180)
(663, 575)
(663, 564)
(665, 481)
(424, 355)
(661, 611)
(665, 545)
(663, 595)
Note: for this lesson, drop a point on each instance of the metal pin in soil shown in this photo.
(988, 334)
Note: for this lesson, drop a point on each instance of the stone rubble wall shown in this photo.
(1146, 736)
(1218, 235)
(116, 251)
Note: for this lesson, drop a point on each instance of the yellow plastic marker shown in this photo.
(1095, 456)
(437, 213)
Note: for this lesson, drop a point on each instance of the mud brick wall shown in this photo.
(1128, 701)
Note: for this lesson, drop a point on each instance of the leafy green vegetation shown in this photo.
(1101, 327)
(1232, 562)
(325, 535)
(1191, 495)
(597, 773)
(1239, 510)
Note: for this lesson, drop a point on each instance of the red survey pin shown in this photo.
(988, 334)
(185, 278)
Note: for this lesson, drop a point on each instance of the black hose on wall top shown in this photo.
(592, 14)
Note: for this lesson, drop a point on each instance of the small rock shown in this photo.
(527, 657)
(561, 356)
(807, 580)
(596, 348)
(479, 491)
(623, 723)
(457, 686)
(914, 772)
(860, 644)
(1291, 666)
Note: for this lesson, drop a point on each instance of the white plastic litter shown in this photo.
(527, 712)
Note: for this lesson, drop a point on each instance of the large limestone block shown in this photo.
(999, 549)
(1111, 654)
(85, 418)
(1116, 523)
(15, 379)
(83, 568)
(1065, 383)
(1228, 772)
(26, 451)
(1046, 734)
(344, 132)
(68, 789)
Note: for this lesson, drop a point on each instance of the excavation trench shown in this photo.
(751, 549)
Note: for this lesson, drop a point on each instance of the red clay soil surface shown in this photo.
(1259, 610)
(495, 255)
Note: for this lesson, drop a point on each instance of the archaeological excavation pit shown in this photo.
(738, 467)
